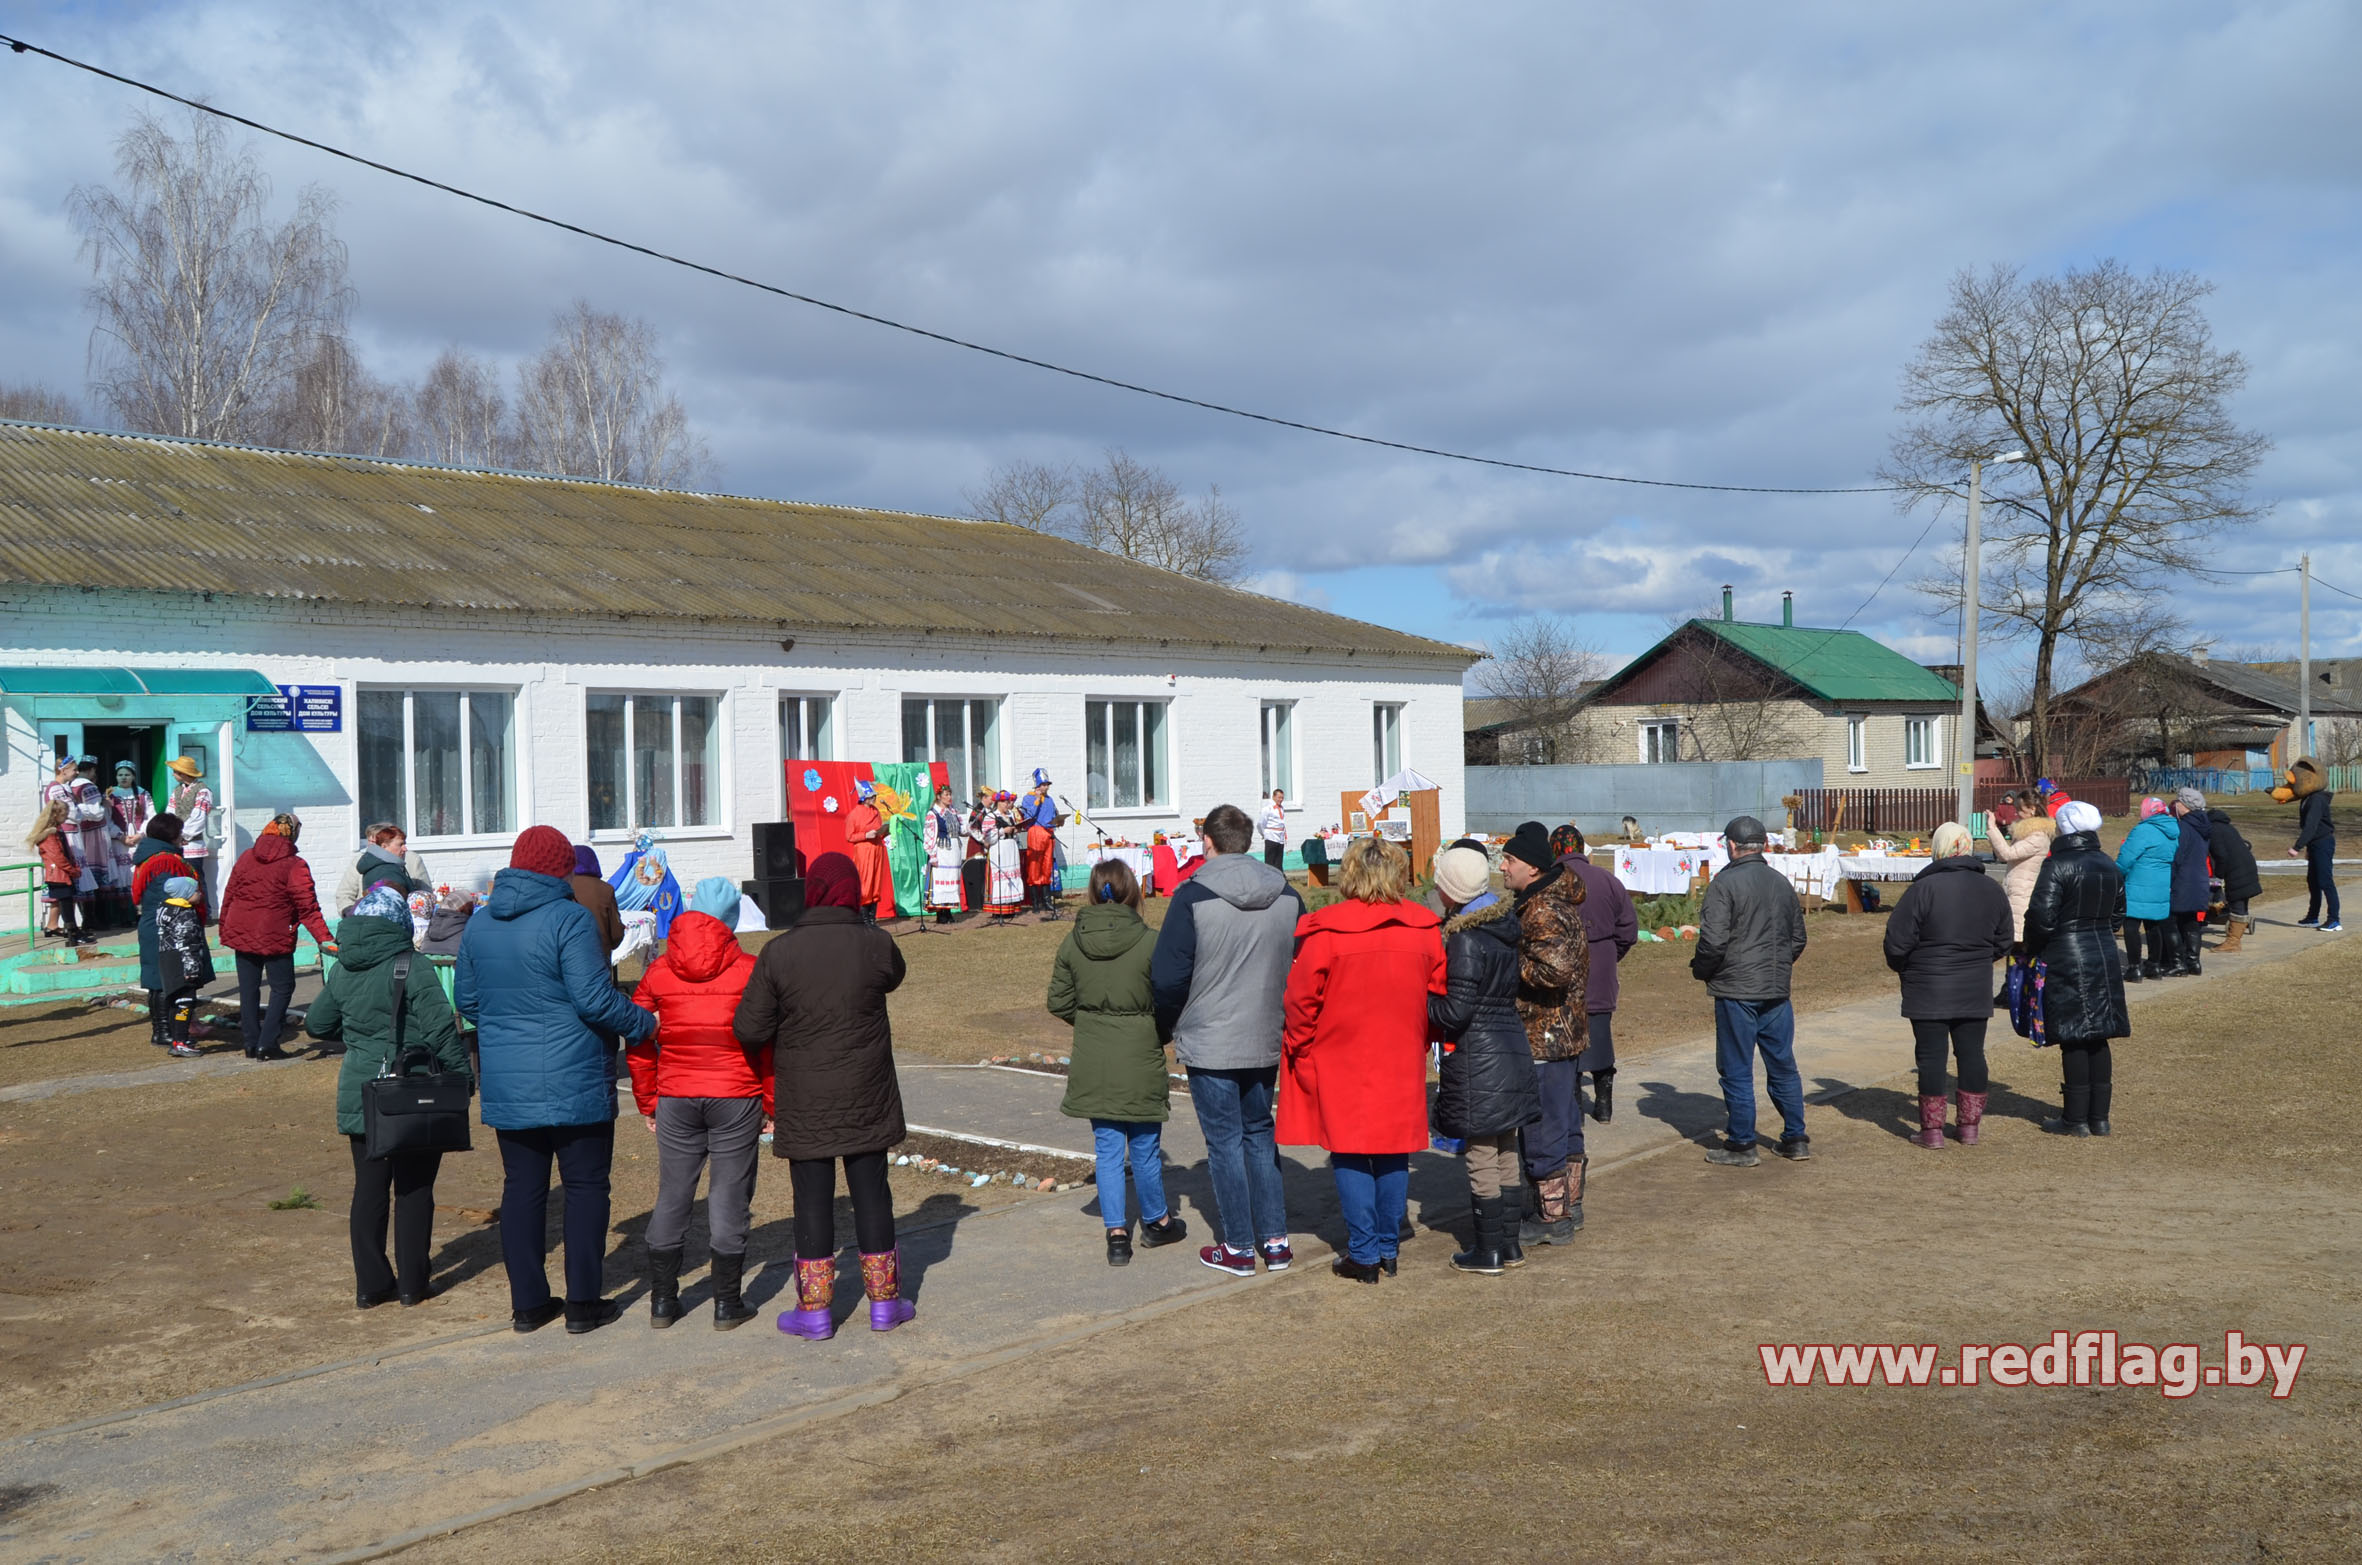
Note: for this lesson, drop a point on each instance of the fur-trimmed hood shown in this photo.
(1491, 913)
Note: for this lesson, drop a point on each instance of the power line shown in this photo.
(20, 46)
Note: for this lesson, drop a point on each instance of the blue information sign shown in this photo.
(298, 709)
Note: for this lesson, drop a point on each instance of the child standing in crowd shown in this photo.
(183, 961)
(1118, 1081)
(58, 871)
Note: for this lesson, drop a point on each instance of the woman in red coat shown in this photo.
(270, 893)
(705, 1095)
(1355, 1046)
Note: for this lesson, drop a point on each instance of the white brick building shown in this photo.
(509, 651)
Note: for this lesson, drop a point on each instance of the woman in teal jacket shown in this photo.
(356, 1004)
(533, 977)
(2147, 862)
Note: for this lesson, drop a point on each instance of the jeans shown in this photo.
(2321, 878)
(1234, 1111)
(1114, 1139)
(1932, 1042)
(814, 1183)
(1743, 1029)
(259, 1024)
(408, 1179)
(584, 1155)
(1373, 1188)
(1558, 1138)
(689, 1131)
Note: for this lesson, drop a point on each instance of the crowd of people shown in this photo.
(1293, 1027)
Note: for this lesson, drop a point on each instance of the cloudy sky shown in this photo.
(1676, 241)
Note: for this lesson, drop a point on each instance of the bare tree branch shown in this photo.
(38, 404)
(592, 404)
(1123, 506)
(458, 416)
(1539, 668)
(2111, 384)
(1032, 495)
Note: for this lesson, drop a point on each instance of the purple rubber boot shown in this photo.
(881, 1274)
(816, 1288)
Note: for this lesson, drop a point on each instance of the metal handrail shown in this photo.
(31, 891)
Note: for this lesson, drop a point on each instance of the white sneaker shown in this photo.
(2333, 928)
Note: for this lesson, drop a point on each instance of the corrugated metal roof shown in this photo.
(80, 508)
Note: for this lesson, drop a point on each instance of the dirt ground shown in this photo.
(1607, 1401)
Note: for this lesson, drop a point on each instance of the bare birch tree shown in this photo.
(1539, 668)
(2111, 384)
(38, 404)
(205, 308)
(1130, 508)
(592, 404)
(458, 416)
(332, 403)
(1032, 495)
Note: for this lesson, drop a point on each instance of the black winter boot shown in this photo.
(2075, 1118)
(156, 1033)
(664, 1287)
(1512, 1219)
(2102, 1094)
(1603, 1095)
(730, 1311)
(1485, 1255)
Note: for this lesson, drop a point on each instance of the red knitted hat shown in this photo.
(543, 850)
(831, 881)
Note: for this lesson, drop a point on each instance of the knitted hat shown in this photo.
(832, 881)
(715, 897)
(1532, 844)
(2078, 816)
(1462, 874)
(2189, 798)
(544, 850)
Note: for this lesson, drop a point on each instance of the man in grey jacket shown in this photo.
(1750, 933)
(1220, 974)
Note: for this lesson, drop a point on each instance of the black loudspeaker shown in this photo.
(776, 857)
(781, 898)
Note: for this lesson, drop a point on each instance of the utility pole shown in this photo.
(2304, 657)
(1971, 594)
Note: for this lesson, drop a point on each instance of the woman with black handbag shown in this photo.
(359, 1005)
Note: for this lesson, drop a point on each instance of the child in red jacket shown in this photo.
(705, 1095)
(61, 877)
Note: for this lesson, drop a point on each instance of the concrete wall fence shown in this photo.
(1679, 796)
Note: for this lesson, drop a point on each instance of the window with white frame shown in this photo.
(1920, 747)
(964, 733)
(1279, 757)
(653, 760)
(1385, 741)
(804, 729)
(1124, 755)
(438, 763)
(1857, 744)
(1660, 741)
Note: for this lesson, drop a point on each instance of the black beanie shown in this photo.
(1532, 844)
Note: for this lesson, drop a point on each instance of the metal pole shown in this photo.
(2304, 657)
(1971, 572)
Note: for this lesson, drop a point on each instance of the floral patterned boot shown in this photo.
(881, 1274)
(816, 1289)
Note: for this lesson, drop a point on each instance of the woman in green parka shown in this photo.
(357, 1005)
(1117, 1079)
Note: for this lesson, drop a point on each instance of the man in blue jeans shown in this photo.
(1750, 933)
(1220, 974)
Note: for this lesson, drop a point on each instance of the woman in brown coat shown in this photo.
(818, 1001)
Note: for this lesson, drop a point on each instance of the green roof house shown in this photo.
(1733, 690)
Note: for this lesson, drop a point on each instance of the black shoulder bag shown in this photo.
(409, 1106)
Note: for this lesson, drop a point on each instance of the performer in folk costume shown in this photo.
(129, 809)
(947, 848)
(1040, 815)
(83, 827)
(980, 818)
(1004, 840)
(192, 801)
(865, 830)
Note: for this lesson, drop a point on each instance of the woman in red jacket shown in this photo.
(1355, 1047)
(270, 893)
(705, 1095)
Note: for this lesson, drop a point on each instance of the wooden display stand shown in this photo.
(1424, 808)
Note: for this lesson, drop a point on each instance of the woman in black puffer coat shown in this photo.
(1952, 924)
(2234, 861)
(2071, 923)
(1488, 1091)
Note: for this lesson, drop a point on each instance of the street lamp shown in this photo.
(1972, 584)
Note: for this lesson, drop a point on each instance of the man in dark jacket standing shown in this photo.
(1220, 975)
(2316, 844)
(1750, 933)
(534, 979)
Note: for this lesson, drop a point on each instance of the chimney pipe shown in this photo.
(1726, 613)
(1788, 610)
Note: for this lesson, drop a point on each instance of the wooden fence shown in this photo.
(1918, 811)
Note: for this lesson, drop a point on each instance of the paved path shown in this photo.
(350, 1460)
